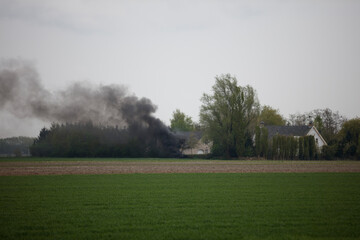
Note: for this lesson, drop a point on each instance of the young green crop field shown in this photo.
(181, 206)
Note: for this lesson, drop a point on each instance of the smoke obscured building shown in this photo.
(194, 143)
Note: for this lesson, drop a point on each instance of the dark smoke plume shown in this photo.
(23, 95)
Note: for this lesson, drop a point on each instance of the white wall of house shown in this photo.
(200, 148)
(318, 140)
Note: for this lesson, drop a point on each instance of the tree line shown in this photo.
(285, 147)
(89, 140)
(230, 116)
(15, 146)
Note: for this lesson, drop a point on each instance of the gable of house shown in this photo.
(320, 141)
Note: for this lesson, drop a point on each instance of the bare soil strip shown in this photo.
(114, 167)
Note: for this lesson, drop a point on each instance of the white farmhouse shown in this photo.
(297, 131)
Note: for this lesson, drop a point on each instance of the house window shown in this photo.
(317, 141)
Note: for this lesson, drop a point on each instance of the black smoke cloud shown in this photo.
(23, 95)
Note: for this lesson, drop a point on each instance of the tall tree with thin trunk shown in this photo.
(229, 115)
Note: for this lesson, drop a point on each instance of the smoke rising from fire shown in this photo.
(23, 95)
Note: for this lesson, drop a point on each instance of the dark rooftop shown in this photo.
(186, 135)
(287, 130)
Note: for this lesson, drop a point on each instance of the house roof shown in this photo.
(186, 135)
(287, 130)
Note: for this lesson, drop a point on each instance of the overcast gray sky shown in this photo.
(298, 55)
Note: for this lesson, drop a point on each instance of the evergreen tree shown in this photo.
(301, 148)
(258, 141)
(264, 141)
(306, 148)
(358, 148)
(312, 147)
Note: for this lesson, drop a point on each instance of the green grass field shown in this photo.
(181, 206)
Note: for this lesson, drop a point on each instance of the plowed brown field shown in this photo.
(121, 167)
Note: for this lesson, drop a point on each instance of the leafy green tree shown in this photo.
(318, 123)
(271, 116)
(181, 122)
(331, 123)
(228, 117)
(349, 138)
(329, 151)
(325, 120)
